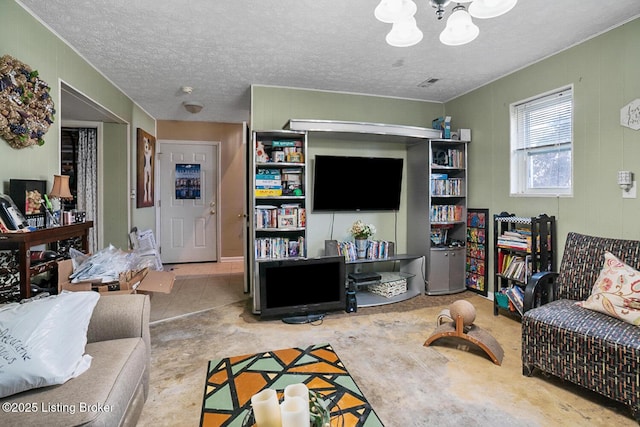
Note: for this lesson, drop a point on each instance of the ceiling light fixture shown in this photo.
(459, 29)
(193, 107)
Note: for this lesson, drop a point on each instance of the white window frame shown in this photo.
(519, 152)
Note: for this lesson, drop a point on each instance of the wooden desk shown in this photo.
(25, 241)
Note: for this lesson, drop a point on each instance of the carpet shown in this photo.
(232, 381)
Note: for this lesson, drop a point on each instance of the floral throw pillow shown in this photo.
(616, 291)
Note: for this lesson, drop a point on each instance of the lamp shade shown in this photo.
(460, 28)
(485, 9)
(60, 188)
(404, 33)
(390, 11)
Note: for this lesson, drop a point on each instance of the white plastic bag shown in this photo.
(42, 342)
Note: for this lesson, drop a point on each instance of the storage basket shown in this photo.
(502, 300)
(390, 285)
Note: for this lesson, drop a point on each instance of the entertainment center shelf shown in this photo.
(282, 192)
(411, 267)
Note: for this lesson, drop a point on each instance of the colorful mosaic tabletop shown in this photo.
(232, 381)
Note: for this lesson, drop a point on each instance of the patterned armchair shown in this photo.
(588, 348)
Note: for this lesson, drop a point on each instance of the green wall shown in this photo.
(115, 203)
(272, 107)
(26, 39)
(604, 74)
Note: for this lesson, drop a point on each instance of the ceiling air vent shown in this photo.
(428, 82)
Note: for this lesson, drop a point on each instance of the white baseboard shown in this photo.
(232, 259)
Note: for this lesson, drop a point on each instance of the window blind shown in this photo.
(544, 121)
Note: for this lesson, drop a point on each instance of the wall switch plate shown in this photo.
(631, 194)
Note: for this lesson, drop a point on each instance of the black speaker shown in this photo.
(352, 302)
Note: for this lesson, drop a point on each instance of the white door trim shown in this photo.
(158, 189)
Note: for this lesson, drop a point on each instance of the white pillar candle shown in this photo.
(266, 408)
(295, 412)
(296, 390)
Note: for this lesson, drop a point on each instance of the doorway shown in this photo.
(79, 161)
(188, 178)
(79, 111)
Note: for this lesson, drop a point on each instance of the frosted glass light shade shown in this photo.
(390, 11)
(404, 33)
(484, 9)
(460, 29)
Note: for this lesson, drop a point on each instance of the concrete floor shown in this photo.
(199, 286)
(450, 383)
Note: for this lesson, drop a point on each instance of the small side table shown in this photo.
(25, 241)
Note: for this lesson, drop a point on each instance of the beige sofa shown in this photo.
(113, 391)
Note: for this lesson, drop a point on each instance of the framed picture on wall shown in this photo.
(145, 170)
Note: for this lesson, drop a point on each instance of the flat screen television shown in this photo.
(302, 288)
(343, 183)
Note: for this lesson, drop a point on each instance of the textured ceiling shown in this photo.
(151, 48)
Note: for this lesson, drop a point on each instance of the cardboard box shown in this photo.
(144, 281)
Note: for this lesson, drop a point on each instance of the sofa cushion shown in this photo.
(101, 396)
(616, 292)
(42, 342)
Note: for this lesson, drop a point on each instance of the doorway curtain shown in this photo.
(87, 178)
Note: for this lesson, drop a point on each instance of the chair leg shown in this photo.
(527, 370)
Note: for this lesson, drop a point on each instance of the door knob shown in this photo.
(212, 212)
(212, 204)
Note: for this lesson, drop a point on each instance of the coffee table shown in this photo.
(232, 381)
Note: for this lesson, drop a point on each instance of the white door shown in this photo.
(188, 176)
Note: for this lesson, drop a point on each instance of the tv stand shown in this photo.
(299, 320)
(411, 266)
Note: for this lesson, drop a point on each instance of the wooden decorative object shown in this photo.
(471, 333)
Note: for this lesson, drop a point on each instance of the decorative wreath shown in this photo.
(26, 108)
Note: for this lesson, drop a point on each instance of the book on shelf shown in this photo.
(279, 247)
(515, 267)
(447, 187)
(268, 174)
(516, 297)
(445, 213)
(286, 143)
(476, 235)
(378, 249)
(284, 216)
(268, 183)
(451, 158)
(439, 176)
(475, 265)
(519, 240)
(266, 217)
(475, 281)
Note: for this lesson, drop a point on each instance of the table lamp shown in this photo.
(61, 191)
